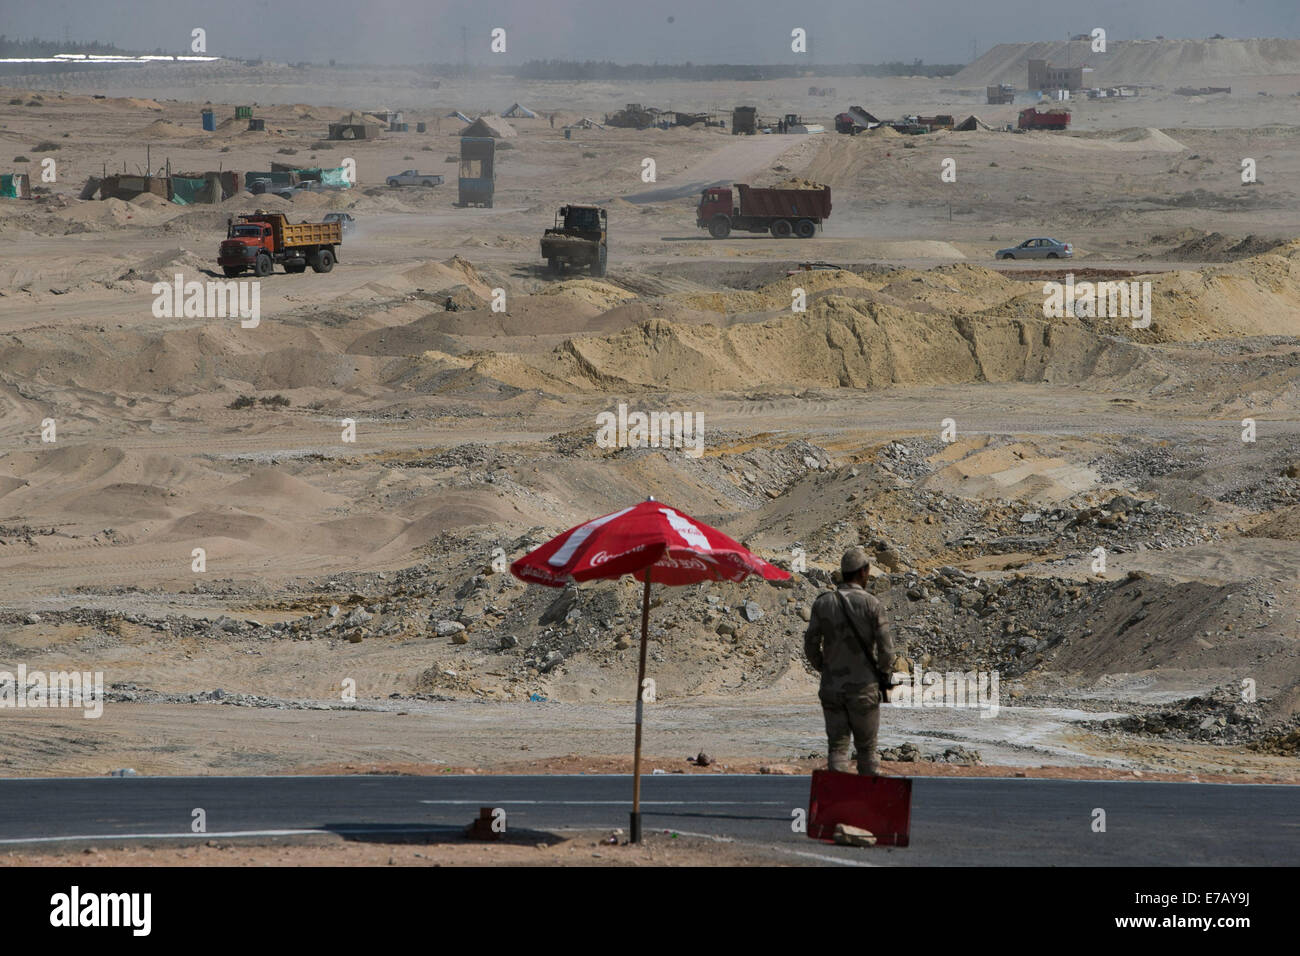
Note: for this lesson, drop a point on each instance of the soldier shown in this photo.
(849, 644)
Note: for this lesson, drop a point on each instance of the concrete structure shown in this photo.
(1044, 76)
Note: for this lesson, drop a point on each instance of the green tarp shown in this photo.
(9, 186)
(185, 192)
(335, 177)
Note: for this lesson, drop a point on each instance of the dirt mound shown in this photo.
(165, 128)
(123, 500)
(1219, 717)
(1139, 61)
(150, 201)
(796, 182)
(602, 295)
(133, 102)
(1255, 296)
(455, 271)
(1194, 245)
(1285, 526)
(1137, 140)
(1019, 471)
(839, 342)
(275, 491)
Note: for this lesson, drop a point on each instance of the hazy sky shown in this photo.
(734, 31)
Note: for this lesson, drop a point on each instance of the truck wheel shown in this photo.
(233, 270)
(1008, 256)
(262, 266)
(295, 267)
(720, 228)
(394, 182)
(427, 182)
(781, 229)
(805, 229)
(323, 261)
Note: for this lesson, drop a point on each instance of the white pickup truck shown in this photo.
(412, 177)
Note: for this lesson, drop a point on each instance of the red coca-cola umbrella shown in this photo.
(649, 541)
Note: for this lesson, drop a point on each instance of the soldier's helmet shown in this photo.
(854, 560)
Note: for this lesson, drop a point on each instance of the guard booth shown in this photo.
(477, 170)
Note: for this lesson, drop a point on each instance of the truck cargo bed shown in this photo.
(312, 234)
(794, 203)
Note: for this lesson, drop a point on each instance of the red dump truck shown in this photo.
(1049, 119)
(782, 212)
(260, 240)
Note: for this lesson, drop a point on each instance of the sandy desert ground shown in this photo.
(333, 564)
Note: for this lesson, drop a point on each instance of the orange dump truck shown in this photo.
(256, 242)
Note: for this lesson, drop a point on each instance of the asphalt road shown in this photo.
(955, 821)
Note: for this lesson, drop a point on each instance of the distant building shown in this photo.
(1044, 76)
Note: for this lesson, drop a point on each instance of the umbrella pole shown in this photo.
(640, 682)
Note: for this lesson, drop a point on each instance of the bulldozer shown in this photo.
(578, 238)
(633, 116)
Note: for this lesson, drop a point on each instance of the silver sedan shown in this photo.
(1037, 249)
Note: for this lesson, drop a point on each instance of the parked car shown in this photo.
(1037, 249)
(413, 177)
(343, 219)
(289, 192)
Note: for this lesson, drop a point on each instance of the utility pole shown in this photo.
(464, 51)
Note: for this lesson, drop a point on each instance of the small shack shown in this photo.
(128, 187)
(477, 178)
(496, 129)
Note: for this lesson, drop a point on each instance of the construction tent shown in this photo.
(971, 123)
(460, 116)
(498, 129)
(355, 126)
(517, 110)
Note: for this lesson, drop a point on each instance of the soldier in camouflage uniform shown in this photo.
(854, 676)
